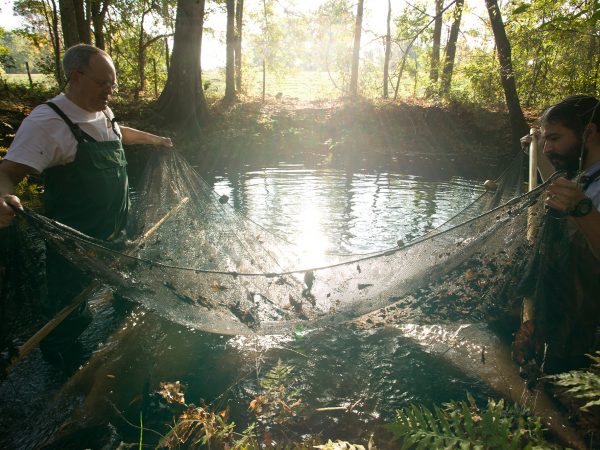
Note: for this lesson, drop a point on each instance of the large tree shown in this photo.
(99, 9)
(356, 49)
(517, 119)
(182, 101)
(68, 20)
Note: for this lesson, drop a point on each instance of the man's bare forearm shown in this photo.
(6, 185)
(133, 136)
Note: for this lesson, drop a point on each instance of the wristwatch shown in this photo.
(583, 208)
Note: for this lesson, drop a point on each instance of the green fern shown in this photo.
(582, 384)
(463, 425)
(277, 376)
(279, 402)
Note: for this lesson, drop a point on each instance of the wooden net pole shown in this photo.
(528, 303)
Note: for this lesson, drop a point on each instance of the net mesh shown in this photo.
(195, 261)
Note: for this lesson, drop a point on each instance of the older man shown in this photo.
(74, 141)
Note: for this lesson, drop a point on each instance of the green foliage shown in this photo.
(582, 384)
(15, 50)
(409, 23)
(555, 49)
(463, 425)
(6, 59)
(29, 193)
(32, 43)
(331, 49)
(136, 42)
(200, 425)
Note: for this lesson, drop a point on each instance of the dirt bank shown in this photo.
(411, 138)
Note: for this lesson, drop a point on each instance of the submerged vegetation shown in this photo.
(457, 424)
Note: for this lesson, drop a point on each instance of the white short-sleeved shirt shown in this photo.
(44, 139)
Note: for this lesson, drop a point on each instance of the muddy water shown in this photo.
(95, 400)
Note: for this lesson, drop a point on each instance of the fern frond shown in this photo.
(581, 384)
(462, 425)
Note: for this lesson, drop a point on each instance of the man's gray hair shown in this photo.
(77, 58)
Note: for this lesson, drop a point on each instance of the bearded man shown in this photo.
(563, 280)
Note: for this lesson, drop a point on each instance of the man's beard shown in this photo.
(568, 161)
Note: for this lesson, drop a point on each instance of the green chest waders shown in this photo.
(90, 195)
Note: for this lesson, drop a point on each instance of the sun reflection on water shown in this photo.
(311, 239)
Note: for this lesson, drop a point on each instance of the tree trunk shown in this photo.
(435, 47)
(388, 51)
(83, 21)
(182, 101)
(356, 50)
(230, 49)
(68, 21)
(99, 9)
(451, 49)
(141, 54)
(537, 68)
(167, 54)
(517, 120)
(239, 15)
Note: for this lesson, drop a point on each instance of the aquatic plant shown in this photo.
(279, 402)
(200, 426)
(465, 425)
(276, 403)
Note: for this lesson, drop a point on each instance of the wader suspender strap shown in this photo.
(586, 180)
(79, 134)
(112, 123)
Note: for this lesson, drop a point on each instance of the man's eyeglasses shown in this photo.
(103, 84)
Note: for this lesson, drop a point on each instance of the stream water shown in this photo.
(95, 400)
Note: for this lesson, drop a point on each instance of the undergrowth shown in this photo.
(454, 425)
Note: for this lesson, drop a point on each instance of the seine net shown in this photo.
(194, 260)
